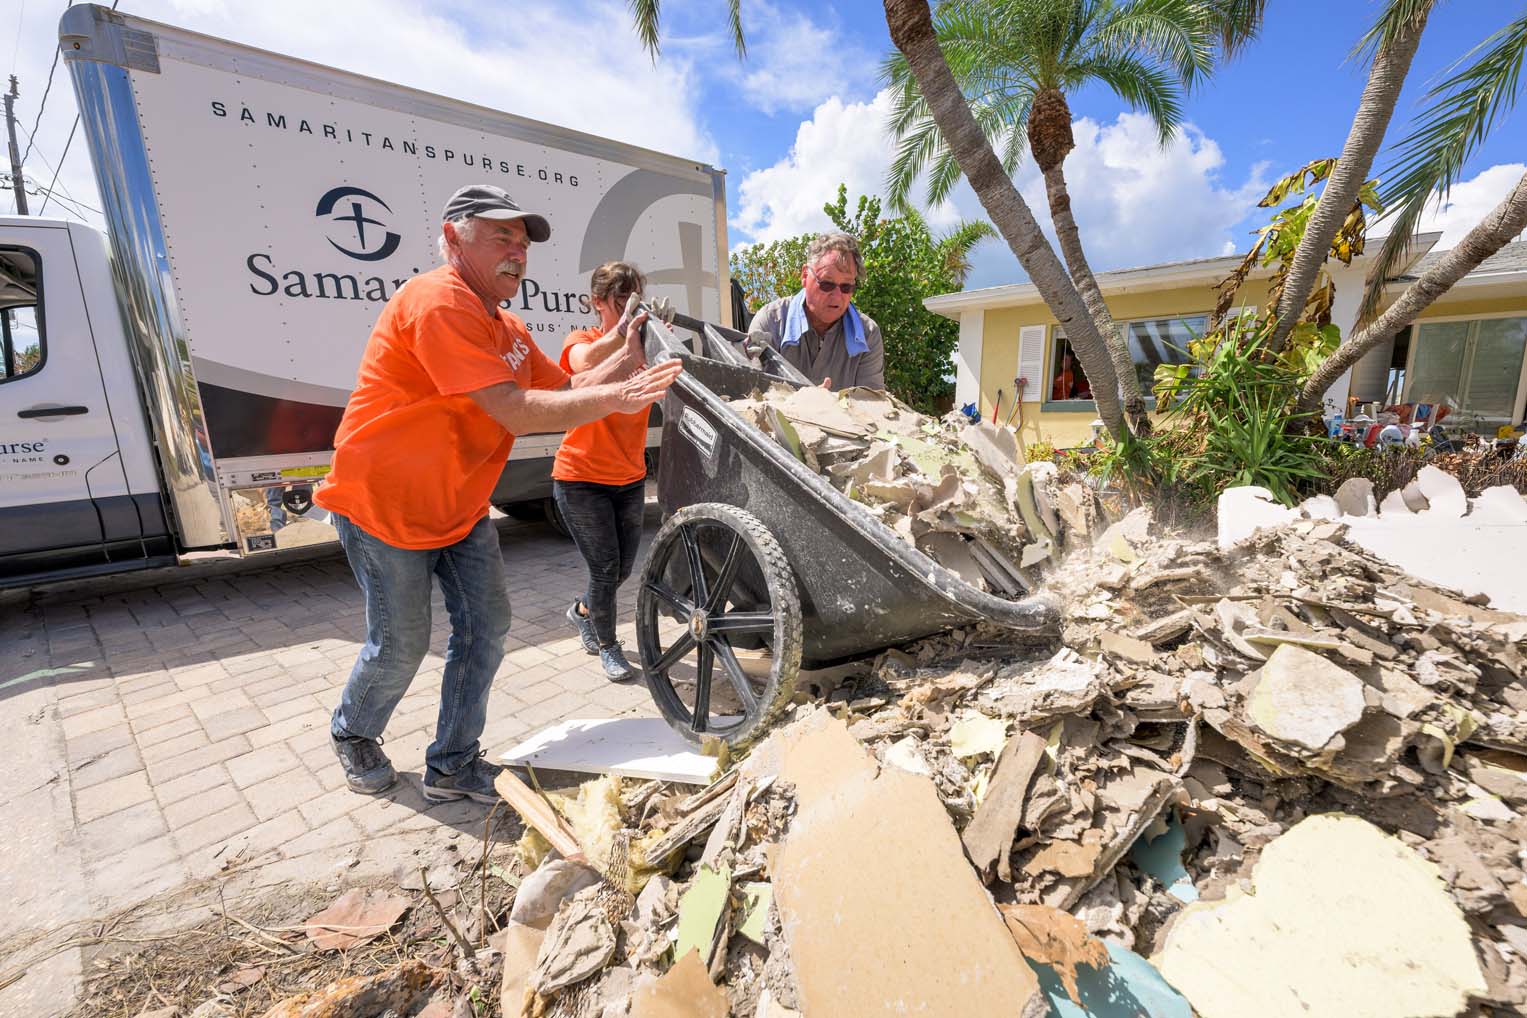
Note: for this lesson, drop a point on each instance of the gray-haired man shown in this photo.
(819, 330)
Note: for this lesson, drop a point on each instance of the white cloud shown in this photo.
(1470, 201)
(794, 62)
(538, 61)
(1136, 202)
(842, 143)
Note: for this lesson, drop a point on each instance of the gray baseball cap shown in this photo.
(488, 202)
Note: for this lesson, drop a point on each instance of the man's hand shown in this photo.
(647, 386)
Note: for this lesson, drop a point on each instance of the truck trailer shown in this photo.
(173, 383)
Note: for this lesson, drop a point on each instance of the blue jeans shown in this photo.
(605, 522)
(396, 583)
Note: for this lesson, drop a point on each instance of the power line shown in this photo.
(60, 166)
(20, 20)
(55, 170)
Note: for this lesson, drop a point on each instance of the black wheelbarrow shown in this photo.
(762, 567)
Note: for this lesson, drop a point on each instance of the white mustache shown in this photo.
(512, 266)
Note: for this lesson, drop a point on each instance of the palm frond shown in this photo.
(1459, 113)
(1238, 23)
(1399, 17)
(734, 19)
(646, 17)
(1178, 33)
(1143, 87)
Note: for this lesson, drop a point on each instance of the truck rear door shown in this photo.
(64, 505)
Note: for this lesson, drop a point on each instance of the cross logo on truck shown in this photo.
(330, 208)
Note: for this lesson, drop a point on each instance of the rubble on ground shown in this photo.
(958, 491)
(1280, 776)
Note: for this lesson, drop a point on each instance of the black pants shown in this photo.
(606, 524)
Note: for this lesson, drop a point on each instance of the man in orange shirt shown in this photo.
(447, 380)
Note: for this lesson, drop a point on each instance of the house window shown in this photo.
(1151, 341)
(1154, 341)
(1067, 379)
(1476, 364)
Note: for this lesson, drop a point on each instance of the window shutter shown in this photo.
(1031, 362)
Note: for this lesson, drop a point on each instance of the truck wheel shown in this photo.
(719, 574)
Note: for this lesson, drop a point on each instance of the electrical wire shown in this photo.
(60, 165)
(46, 89)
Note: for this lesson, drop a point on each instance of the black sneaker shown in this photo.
(616, 668)
(585, 627)
(367, 769)
(474, 781)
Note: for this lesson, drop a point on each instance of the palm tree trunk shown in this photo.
(1488, 236)
(1066, 231)
(1390, 65)
(912, 31)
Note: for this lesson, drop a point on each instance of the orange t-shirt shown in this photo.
(415, 458)
(607, 451)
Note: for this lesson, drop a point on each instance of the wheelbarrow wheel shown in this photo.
(729, 667)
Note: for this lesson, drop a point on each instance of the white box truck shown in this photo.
(174, 384)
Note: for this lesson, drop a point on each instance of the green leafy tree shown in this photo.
(903, 263)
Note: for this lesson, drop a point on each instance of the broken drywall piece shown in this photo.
(907, 754)
(1394, 505)
(995, 448)
(1344, 921)
(906, 926)
(1126, 648)
(1127, 987)
(684, 991)
(1321, 507)
(1046, 480)
(1245, 510)
(521, 946)
(977, 735)
(1065, 684)
(579, 942)
(1444, 495)
(1161, 857)
(1499, 504)
(988, 838)
(1474, 556)
(700, 909)
(645, 748)
(1303, 699)
(753, 913)
(1056, 940)
(1354, 497)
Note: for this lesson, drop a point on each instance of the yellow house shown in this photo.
(1468, 346)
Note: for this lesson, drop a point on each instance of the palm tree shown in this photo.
(1391, 44)
(1016, 61)
(911, 29)
(1458, 114)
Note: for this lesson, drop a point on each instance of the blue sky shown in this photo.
(802, 113)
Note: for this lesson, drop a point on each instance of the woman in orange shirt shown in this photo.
(600, 476)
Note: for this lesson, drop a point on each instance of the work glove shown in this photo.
(662, 309)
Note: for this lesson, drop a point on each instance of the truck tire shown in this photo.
(747, 600)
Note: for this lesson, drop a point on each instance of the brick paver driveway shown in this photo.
(170, 728)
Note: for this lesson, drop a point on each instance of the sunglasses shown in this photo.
(847, 288)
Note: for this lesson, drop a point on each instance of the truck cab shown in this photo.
(79, 492)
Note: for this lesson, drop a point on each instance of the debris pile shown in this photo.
(1291, 776)
(957, 491)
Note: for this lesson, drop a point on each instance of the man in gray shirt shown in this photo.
(818, 330)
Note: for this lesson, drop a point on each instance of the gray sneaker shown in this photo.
(474, 781)
(367, 769)
(616, 668)
(585, 627)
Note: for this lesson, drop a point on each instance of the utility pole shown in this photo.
(10, 129)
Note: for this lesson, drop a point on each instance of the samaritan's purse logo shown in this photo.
(368, 245)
